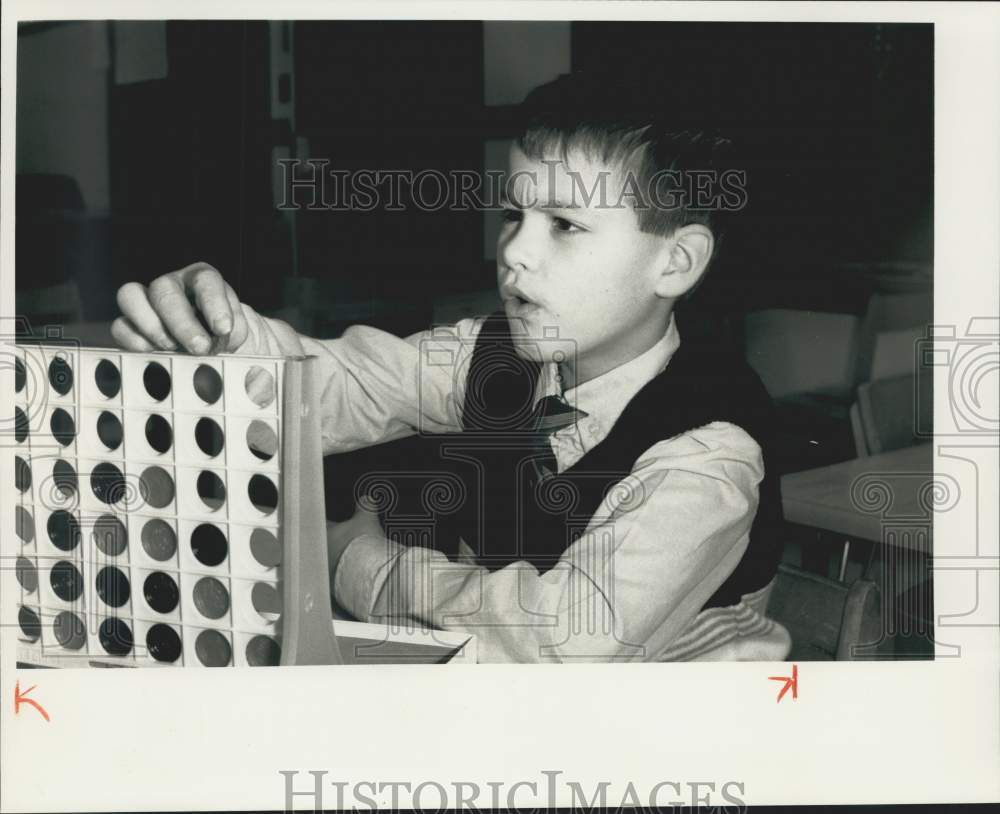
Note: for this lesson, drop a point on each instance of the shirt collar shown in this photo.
(604, 398)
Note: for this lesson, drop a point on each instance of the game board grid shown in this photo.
(234, 623)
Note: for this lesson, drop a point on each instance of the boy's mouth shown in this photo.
(520, 305)
(518, 298)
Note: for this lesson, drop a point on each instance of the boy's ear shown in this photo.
(688, 252)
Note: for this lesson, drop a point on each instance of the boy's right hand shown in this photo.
(194, 309)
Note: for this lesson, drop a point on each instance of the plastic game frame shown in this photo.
(305, 627)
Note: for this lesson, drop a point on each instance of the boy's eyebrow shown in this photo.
(560, 203)
(550, 203)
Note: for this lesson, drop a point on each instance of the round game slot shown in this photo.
(25, 524)
(109, 430)
(259, 386)
(64, 530)
(161, 592)
(115, 637)
(30, 624)
(159, 434)
(156, 487)
(207, 384)
(211, 490)
(213, 649)
(61, 375)
(263, 494)
(63, 426)
(209, 545)
(27, 574)
(163, 643)
(211, 598)
(69, 630)
(20, 425)
(156, 380)
(64, 477)
(159, 540)
(20, 375)
(108, 483)
(22, 474)
(266, 601)
(265, 548)
(263, 651)
(66, 581)
(108, 378)
(113, 586)
(262, 440)
(110, 535)
(209, 437)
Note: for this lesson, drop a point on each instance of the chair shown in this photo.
(802, 352)
(806, 361)
(827, 620)
(891, 326)
(884, 416)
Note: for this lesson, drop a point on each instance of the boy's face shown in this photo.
(576, 268)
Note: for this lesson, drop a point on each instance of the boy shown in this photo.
(604, 478)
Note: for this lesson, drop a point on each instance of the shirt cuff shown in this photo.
(362, 572)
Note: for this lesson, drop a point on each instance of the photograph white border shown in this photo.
(857, 733)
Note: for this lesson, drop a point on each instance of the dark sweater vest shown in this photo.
(491, 503)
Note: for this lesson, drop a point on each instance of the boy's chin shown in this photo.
(544, 350)
(535, 341)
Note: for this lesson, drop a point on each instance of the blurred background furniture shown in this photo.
(892, 324)
(825, 368)
(827, 620)
(874, 509)
(884, 416)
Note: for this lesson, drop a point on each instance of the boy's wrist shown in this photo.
(338, 538)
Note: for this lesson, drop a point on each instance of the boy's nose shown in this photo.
(518, 247)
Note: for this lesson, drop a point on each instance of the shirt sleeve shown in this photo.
(377, 387)
(662, 542)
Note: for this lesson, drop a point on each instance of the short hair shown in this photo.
(578, 111)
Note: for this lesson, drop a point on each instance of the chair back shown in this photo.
(827, 620)
(891, 326)
(885, 415)
(802, 351)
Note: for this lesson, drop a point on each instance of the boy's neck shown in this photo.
(573, 373)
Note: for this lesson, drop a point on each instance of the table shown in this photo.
(856, 498)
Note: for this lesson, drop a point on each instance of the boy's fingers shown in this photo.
(125, 334)
(169, 300)
(134, 305)
(241, 330)
(209, 291)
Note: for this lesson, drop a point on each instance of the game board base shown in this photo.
(359, 643)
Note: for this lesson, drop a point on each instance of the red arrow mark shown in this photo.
(22, 698)
(791, 683)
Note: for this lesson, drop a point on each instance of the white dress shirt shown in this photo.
(629, 589)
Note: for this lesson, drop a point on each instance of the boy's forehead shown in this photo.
(557, 180)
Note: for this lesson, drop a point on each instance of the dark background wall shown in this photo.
(832, 122)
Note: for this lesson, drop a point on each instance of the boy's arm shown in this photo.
(623, 591)
(376, 387)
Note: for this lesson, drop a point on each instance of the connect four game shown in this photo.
(170, 510)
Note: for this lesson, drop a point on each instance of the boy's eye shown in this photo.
(511, 215)
(563, 225)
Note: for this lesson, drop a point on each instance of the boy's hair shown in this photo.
(590, 114)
